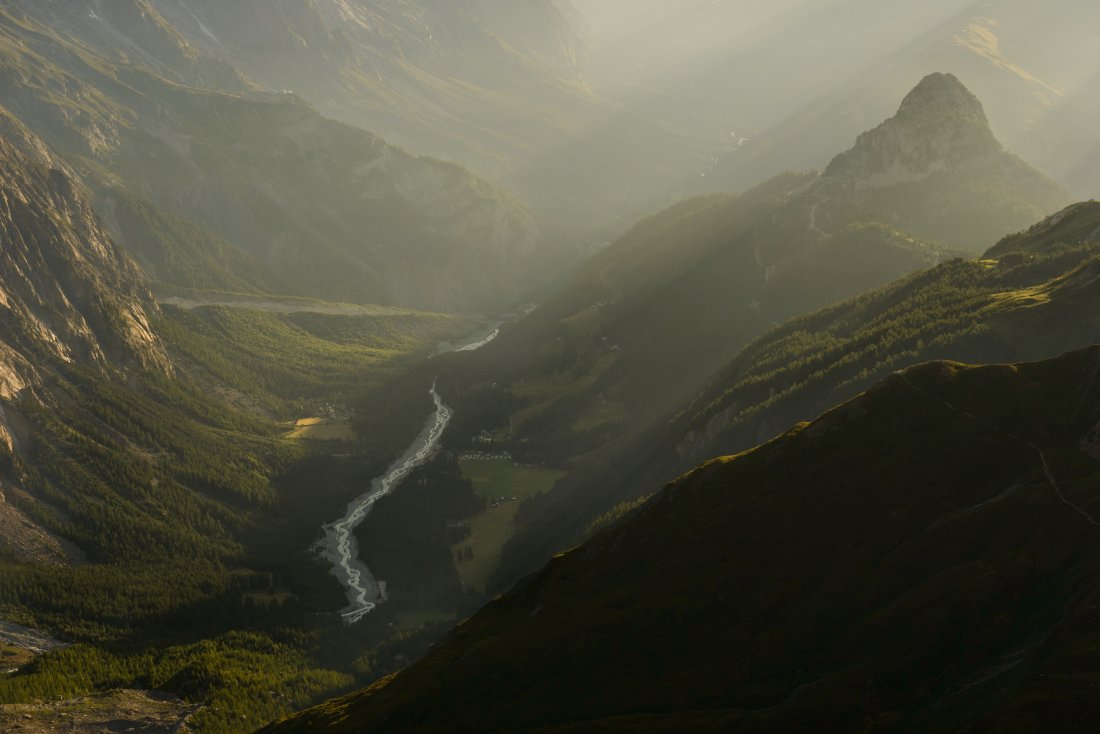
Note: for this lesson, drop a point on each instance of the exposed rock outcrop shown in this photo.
(66, 292)
(939, 126)
(935, 170)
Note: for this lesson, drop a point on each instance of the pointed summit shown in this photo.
(936, 171)
(939, 125)
(942, 97)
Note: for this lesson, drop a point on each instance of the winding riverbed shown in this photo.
(474, 346)
(339, 546)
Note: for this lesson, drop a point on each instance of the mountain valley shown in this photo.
(322, 214)
(765, 589)
(640, 329)
(486, 366)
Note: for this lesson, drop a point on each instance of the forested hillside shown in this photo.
(148, 499)
(1031, 297)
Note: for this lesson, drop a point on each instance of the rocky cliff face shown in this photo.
(939, 126)
(66, 292)
(935, 170)
(134, 32)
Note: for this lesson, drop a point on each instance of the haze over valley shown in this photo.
(549, 366)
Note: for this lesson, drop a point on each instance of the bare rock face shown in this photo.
(935, 170)
(939, 125)
(66, 293)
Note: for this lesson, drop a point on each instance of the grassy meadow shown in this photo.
(489, 531)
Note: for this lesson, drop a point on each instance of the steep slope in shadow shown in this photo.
(922, 558)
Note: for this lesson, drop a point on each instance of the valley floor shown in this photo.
(504, 485)
(276, 304)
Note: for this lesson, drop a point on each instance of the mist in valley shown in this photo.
(549, 365)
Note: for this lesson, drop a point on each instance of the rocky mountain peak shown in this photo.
(939, 125)
(942, 98)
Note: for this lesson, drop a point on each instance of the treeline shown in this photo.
(99, 603)
(967, 310)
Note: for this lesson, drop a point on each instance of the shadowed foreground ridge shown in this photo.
(921, 558)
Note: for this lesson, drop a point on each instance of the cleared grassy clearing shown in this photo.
(489, 531)
(322, 429)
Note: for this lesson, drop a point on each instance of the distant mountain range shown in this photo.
(326, 209)
(500, 87)
(436, 77)
(1040, 95)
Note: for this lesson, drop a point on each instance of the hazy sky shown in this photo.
(753, 65)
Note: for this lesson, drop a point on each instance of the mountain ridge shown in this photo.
(938, 150)
(333, 209)
(1030, 301)
(614, 336)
